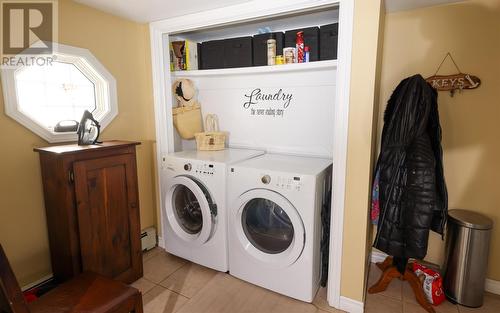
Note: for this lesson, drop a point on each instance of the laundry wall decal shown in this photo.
(262, 103)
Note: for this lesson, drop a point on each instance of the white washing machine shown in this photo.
(275, 222)
(194, 213)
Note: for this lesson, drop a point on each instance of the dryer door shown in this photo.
(268, 227)
(190, 210)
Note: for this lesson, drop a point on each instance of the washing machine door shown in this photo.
(269, 227)
(190, 210)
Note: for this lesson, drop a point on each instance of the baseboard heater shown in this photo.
(148, 239)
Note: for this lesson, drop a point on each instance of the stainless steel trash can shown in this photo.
(467, 249)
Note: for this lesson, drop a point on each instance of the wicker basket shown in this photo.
(212, 139)
(187, 120)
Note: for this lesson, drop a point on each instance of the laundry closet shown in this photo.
(297, 111)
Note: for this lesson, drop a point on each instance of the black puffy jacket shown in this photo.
(412, 190)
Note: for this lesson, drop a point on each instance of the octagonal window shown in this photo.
(50, 94)
(41, 96)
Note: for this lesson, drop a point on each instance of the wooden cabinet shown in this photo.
(92, 206)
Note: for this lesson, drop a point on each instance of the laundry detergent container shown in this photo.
(467, 249)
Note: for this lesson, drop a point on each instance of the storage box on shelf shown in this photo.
(238, 52)
(328, 39)
(227, 53)
(211, 52)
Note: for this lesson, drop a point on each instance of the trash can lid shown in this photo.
(470, 219)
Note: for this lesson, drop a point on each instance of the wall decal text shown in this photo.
(257, 96)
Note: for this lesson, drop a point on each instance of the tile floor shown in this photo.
(399, 298)
(171, 284)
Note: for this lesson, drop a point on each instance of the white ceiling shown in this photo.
(145, 11)
(403, 5)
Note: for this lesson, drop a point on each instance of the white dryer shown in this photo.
(275, 222)
(194, 212)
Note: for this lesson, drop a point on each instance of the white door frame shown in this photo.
(341, 122)
(246, 12)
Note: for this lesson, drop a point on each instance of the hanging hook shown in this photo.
(444, 59)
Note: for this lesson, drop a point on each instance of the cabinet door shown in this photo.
(108, 216)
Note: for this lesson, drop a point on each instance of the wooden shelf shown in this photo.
(296, 67)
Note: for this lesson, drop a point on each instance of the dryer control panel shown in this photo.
(282, 182)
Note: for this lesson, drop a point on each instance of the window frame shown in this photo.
(89, 65)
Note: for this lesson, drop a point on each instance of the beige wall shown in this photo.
(362, 108)
(123, 47)
(416, 42)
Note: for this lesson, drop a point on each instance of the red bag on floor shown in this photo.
(432, 283)
(30, 295)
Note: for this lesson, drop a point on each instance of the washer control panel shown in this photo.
(207, 169)
(192, 167)
(282, 182)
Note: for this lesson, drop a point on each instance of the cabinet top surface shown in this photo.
(74, 148)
